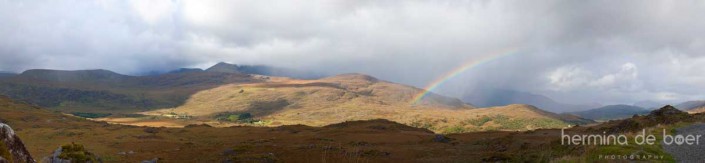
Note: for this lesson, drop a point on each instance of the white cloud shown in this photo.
(572, 77)
(625, 78)
(606, 50)
(152, 11)
(567, 78)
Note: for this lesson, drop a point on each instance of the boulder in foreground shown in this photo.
(11, 147)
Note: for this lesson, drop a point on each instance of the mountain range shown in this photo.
(50, 135)
(252, 69)
(268, 93)
(41, 131)
(612, 112)
(649, 105)
(219, 114)
(488, 97)
(692, 106)
(226, 95)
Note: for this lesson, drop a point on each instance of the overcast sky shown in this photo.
(572, 51)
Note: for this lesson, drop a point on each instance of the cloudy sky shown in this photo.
(572, 51)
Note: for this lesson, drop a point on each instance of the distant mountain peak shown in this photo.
(224, 67)
(224, 64)
(667, 110)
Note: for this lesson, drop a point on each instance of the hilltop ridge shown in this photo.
(225, 91)
(376, 140)
(262, 70)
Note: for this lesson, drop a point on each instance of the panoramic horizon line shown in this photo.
(141, 73)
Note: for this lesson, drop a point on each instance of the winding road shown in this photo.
(688, 153)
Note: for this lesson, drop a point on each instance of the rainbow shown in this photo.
(471, 63)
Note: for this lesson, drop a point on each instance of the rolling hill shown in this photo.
(43, 131)
(225, 96)
(108, 92)
(284, 101)
(649, 105)
(612, 112)
(692, 106)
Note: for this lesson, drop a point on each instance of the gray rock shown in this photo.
(14, 145)
(54, 157)
(155, 160)
(441, 139)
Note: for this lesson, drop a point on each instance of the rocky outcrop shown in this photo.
(11, 147)
(663, 116)
(667, 115)
(54, 158)
(71, 153)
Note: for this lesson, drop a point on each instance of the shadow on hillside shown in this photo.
(94, 91)
(314, 84)
(264, 108)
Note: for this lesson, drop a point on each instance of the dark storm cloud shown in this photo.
(577, 51)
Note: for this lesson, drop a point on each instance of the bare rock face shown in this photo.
(11, 147)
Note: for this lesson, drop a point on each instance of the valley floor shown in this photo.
(361, 141)
(43, 131)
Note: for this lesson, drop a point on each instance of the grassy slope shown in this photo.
(278, 101)
(361, 141)
(355, 97)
